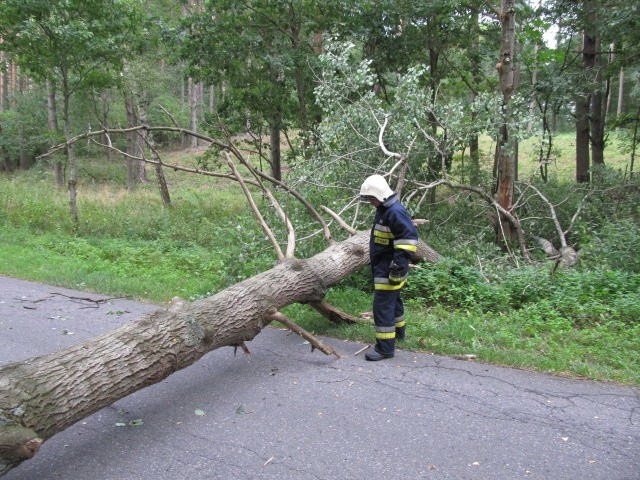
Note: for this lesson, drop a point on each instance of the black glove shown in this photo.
(397, 274)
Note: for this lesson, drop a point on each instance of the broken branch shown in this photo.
(254, 208)
(334, 314)
(344, 225)
(315, 343)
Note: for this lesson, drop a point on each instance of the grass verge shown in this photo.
(128, 244)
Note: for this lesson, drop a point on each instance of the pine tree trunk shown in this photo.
(598, 112)
(3, 77)
(193, 111)
(72, 183)
(52, 125)
(44, 395)
(135, 145)
(619, 110)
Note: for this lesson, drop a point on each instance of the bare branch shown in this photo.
(293, 192)
(291, 234)
(513, 220)
(554, 216)
(105, 131)
(402, 158)
(335, 315)
(224, 146)
(436, 145)
(381, 141)
(175, 167)
(344, 225)
(173, 119)
(255, 209)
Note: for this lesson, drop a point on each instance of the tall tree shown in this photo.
(263, 52)
(506, 151)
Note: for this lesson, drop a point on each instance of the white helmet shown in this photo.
(377, 187)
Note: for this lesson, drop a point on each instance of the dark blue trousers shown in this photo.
(388, 316)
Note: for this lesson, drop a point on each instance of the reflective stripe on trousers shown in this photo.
(388, 313)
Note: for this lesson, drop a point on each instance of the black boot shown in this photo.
(374, 355)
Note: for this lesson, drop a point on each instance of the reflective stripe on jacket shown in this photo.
(393, 238)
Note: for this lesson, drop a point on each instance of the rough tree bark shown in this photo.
(506, 147)
(583, 111)
(52, 125)
(44, 395)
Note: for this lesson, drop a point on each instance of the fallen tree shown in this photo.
(44, 395)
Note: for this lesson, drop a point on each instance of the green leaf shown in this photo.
(199, 412)
(136, 423)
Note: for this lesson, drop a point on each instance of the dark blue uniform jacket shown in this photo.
(394, 238)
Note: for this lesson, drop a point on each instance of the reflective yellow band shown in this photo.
(400, 324)
(386, 286)
(378, 233)
(411, 248)
(397, 279)
(385, 336)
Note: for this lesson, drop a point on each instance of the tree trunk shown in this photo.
(3, 77)
(212, 98)
(276, 166)
(582, 139)
(534, 80)
(611, 57)
(583, 102)
(23, 156)
(5, 160)
(135, 168)
(13, 84)
(505, 161)
(619, 110)
(148, 136)
(106, 105)
(44, 395)
(193, 111)
(72, 183)
(634, 142)
(476, 73)
(598, 112)
(52, 125)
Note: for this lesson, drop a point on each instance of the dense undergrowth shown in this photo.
(481, 300)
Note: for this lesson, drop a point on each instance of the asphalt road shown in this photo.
(288, 413)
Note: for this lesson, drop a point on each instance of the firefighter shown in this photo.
(393, 243)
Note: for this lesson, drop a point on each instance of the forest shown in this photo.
(510, 128)
(158, 149)
(211, 153)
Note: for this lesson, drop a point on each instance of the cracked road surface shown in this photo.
(288, 413)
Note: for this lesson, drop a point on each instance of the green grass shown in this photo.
(582, 323)
(143, 270)
(606, 352)
(563, 154)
